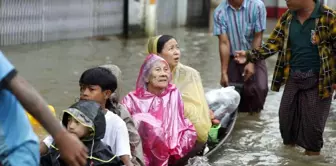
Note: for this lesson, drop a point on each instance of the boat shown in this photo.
(224, 133)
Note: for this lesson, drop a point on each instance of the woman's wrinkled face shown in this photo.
(159, 75)
(171, 52)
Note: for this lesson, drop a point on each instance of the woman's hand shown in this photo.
(214, 121)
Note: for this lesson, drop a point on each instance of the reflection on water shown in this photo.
(54, 69)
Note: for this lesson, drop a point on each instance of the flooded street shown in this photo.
(54, 69)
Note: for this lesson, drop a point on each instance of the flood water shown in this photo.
(54, 69)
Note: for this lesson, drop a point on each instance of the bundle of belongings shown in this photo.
(223, 102)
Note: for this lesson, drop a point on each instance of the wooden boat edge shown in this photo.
(228, 133)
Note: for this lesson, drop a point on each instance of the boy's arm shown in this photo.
(123, 149)
(43, 148)
(45, 144)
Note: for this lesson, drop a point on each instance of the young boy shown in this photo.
(98, 84)
(119, 109)
(85, 119)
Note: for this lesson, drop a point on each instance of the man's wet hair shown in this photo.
(99, 76)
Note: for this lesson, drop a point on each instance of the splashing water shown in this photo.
(198, 161)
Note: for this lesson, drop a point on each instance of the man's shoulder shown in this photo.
(256, 6)
(6, 67)
(328, 12)
(220, 9)
(257, 3)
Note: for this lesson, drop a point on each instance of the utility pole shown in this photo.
(126, 15)
(150, 17)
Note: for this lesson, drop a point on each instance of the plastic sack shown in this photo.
(223, 101)
(225, 120)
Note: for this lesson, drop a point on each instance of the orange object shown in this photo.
(152, 2)
(34, 122)
(215, 121)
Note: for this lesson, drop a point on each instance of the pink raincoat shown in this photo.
(166, 134)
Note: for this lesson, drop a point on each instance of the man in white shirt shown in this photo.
(98, 84)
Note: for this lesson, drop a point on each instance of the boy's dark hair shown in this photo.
(99, 76)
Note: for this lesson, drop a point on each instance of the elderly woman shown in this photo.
(188, 82)
(158, 111)
(121, 111)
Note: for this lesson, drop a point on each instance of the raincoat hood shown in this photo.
(155, 44)
(166, 134)
(90, 114)
(115, 70)
(141, 84)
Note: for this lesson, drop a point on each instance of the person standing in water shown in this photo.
(18, 143)
(305, 37)
(239, 25)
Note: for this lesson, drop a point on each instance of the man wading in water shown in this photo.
(239, 25)
(305, 37)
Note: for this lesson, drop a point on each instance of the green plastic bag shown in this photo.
(213, 133)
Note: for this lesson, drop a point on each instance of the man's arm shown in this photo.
(260, 25)
(220, 30)
(333, 44)
(35, 105)
(224, 52)
(272, 45)
(249, 69)
(257, 40)
(71, 149)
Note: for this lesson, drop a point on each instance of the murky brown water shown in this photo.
(54, 69)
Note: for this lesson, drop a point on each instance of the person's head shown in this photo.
(154, 74)
(167, 47)
(295, 5)
(97, 84)
(85, 119)
(115, 70)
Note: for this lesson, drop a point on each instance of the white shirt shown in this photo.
(116, 135)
